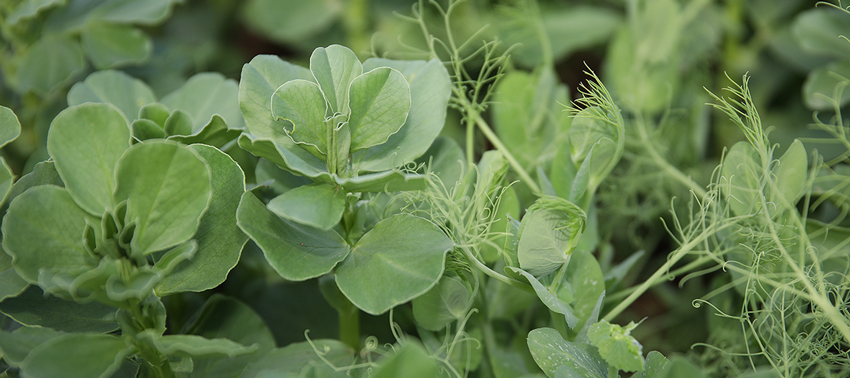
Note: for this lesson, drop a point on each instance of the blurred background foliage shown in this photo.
(656, 57)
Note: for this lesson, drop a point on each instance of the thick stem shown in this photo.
(349, 325)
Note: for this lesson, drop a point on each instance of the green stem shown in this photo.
(491, 136)
(349, 325)
(661, 162)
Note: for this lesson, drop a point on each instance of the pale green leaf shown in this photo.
(548, 234)
(28, 9)
(168, 190)
(334, 68)
(43, 173)
(791, 175)
(617, 346)
(740, 178)
(655, 366)
(205, 95)
(178, 123)
(445, 159)
(86, 141)
(15, 346)
(79, 355)
(290, 21)
(399, 259)
(821, 84)
(260, 79)
(286, 154)
(551, 351)
(443, 304)
(128, 94)
(220, 240)
(818, 31)
(155, 112)
(149, 12)
(10, 127)
(548, 298)
(43, 229)
(586, 283)
(111, 45)
(380, 101)
(301, 103)
(34, 308)
(410, 360)
(49, 62)
(508, 207)
(430, 90)
(144, 129)
(585, 132)
(11, 284)
(318, 205)
(296, 252)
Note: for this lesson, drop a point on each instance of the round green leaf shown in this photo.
(220, 240)
(443, 304)
(110, 45)
(50, 61)
(334, 68)
(301, 103)
(128, 94)
(167, 186)
(380, 101)
(260, 79)
(43, 229)
(430, 90)
(319, 205)
(819, 88)
(401, 258)
(220, 96)
(296, 252)
(10, 127)
(290, 21)
(86, 141)
(549, 232)
(79, 355)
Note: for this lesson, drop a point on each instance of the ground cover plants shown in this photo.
(480, 189)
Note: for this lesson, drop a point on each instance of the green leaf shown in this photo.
(386, 181)
(144, 129)
(301, 103)
(740, 177)
(79, 355)
(43, 173)
(548, 298)
(10, 127)
(296, 252)
(193, 345)
(507, 208)
(430, 89)
(656, 366)
(28, 9)
(334, 68)
(620, 349)
(548, 234)
(410, 360)
(43, 230)
(317, 205)
(168, 188)
(220, 240)
(444, 303)
(11, 284)
(551, 351)
(15, 346)
(585, 132)
(380, 101)
(296, 358)
(6, 179)
(111, 45)
(290, 21)
(155, 112)
(586, 283)
(286, 155)
(34, 308)
(178, 123)
(49, 62)
(128, 94)
(819, 88)
(399, 259)
(260, 79)
(205, 95)
(444, 158)
(819, 30)
(86, 141)
(791, 174)
(680, 366)
(149, 12)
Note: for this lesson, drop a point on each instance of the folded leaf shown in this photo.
(334, 67)
(380, 101)
(301, 103)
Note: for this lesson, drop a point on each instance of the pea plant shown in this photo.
(433, 210)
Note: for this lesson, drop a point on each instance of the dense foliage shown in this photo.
(517, 188)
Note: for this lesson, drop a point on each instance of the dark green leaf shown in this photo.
(193, 345)
(34, 308)
(79, 355)
(49, 62)
(443, 304)
(15, 346)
